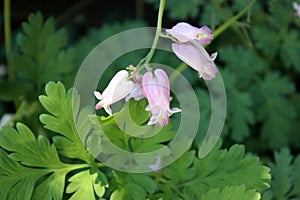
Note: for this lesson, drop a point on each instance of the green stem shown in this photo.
(145, 61)
(7, 38)
(158, 31)
(231, 21)
(179, 69)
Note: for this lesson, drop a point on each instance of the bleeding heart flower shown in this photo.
(194, 54)
(136, 91)
(118, 88)
(156, 88)
(184, 32)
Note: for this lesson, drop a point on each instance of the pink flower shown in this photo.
(190, 50)
(156, 88)
(184, 32)
(118, 88)
(136, 91)
(297, 8)
(196, 56)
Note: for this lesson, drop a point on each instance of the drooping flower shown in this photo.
(184, 32)
(190, 50)
(156, 88)
(118, 88)
(136, 92)
(196, 57)
(297, 8)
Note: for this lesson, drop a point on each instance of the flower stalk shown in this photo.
(158, 31)
(7, 37)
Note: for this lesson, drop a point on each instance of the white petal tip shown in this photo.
(98, 95)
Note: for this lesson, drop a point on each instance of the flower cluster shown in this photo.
(190, 50)
(155, 86)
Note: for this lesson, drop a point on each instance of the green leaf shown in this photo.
(41, 56)
(123, 130)
(296, 177)
(285, 176)
(182, 9)
(132, 186)
(240, 113)
(84, 185)
(27, 150)
(72, 125)
(281, 173)
(290, 50)
(221, 168)
(218, 170)
(23, 172)
(265, 38)
(11, 90)
(246, 70)
(231, 192)
(136, 109)
(280, 12)
(180, 170)
(272, 94)
(17, 181)
(62, 106)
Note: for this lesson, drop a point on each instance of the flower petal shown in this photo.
(98, 95)
(184, 32)
(196, 57)
(156, 89)
(118, 88)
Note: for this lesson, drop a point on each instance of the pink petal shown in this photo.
(184, 32)
(156, 88)
(196, 57)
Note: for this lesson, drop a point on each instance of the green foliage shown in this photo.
(41, 57)
(240, 114)
(132, 186)
(220, 173)
(33, 169)
(273, 93)
(285, 176)
(231, 192)
(63, 107)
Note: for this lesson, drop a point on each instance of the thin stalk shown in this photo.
(143, 63)
(179, 69)
(7, 38)
(158, 31)
(231, 21)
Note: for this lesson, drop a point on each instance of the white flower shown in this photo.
(118, 88)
